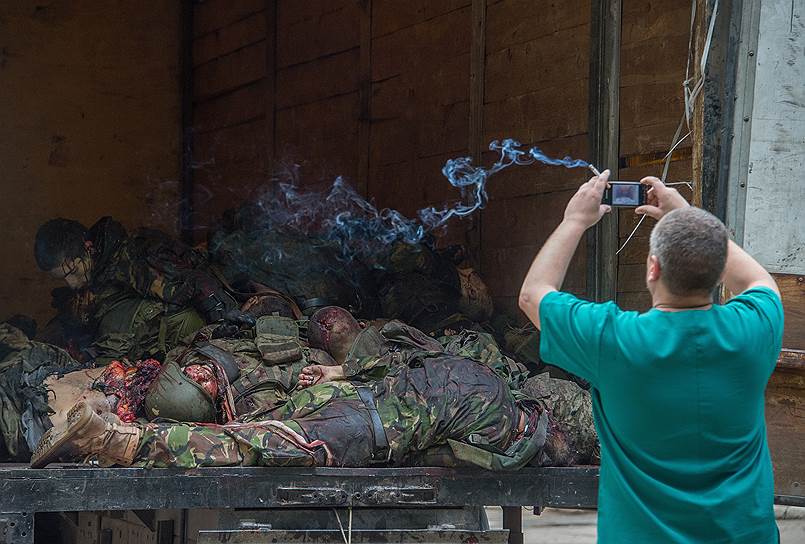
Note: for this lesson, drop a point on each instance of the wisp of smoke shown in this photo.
(360, 229)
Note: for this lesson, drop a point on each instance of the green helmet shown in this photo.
(173, 395)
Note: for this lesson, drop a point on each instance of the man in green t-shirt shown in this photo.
(678, 390)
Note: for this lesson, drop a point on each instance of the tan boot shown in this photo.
(86, 434)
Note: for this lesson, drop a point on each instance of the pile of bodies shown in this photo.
(272, 349)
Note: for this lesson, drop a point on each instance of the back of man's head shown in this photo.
(59, 240)
(691, 247)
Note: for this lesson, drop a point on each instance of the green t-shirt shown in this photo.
(678, 401)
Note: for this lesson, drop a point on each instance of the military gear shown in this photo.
(24, 366)
(85, 434)
(261, 371)
(173, 395)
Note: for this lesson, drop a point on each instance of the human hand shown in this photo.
(315, 374)
(585, 208)
(660, 199)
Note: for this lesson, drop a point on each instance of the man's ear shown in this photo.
(88, 245)
(653, 271)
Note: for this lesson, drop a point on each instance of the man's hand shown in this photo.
(660, 199)
(585, 208)
(315, 374)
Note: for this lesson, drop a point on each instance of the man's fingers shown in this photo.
(605, 208)
(654, 182)
(651, 211)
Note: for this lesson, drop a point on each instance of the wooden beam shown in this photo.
(365, 97)
(476, 123)
(604, 131)
(186, 137)
(270, 83)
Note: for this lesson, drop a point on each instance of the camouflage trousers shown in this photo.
(267, 443)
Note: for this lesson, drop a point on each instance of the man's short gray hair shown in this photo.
(691, 246)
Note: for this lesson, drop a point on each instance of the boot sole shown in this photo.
(53, 442)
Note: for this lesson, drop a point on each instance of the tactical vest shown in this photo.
(255, 375)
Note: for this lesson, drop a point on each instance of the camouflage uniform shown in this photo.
(426, 398)
(24, 365)
(268, 361)
(146, 292)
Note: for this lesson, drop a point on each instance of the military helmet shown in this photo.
(173, 395)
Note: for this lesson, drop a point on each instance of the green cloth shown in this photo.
(678, 401)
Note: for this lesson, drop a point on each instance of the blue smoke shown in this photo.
(344, 217)
(472, 180)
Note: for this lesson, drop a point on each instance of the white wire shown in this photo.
(340, 526)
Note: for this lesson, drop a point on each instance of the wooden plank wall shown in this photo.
(230, 102)
(536, 91)
(384, 86)
(654, 50)
(89, 126)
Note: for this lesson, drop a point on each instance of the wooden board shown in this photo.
(227, 39)
(792, 290)
(785, 412)
(229, 72)
(235, 108)
(326, 77)
(519, 21)
(211, 15)
(391, 15)
(312, 29)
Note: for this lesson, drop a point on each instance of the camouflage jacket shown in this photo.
(150, 264)
(24, 365)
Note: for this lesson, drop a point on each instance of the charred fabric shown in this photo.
(278, 343)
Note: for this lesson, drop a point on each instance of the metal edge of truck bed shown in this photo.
(81, 488)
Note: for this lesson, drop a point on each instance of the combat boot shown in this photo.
(86, 434)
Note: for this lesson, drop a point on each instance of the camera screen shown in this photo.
(625, 195)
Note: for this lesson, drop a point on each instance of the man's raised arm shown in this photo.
(549, 268)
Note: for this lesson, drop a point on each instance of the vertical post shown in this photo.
(476, 122)
(271, 82)
(365, 97)
(715, 135)
(513, 521)
(604, 131)
(186, 136)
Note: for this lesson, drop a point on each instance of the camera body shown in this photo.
(625, 194)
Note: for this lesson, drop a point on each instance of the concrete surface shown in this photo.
(578, 526)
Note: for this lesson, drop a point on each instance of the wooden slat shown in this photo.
(655, 61)
(392, 15)
(211, 15)
(547, 61)
(539, 178)
(365, 95)
(519, 21)
(546, 114)
(651, 104)
(631, 278)
(524, 220)
(216, 44)
(229, 72)
(329, 76)
(324, 29)
(792, 289)
(785, 412)
(244, 104)
(236, 144)
(506, 268)
(652, 20)
(424, 47)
